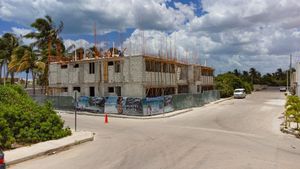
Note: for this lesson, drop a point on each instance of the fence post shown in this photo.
(75, 111)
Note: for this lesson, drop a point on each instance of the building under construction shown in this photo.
(130, 76)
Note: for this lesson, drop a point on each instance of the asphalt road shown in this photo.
(235, 134)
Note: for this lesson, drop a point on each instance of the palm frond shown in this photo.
(40, 65)
(23, 66)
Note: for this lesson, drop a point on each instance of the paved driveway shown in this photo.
(235, 134)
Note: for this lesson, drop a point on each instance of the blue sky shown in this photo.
(225, 34)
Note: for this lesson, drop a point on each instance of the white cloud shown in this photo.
(238, 34)
(187, 10)
(20, 32)
(232, 34)
(80, 43)
(80, 15)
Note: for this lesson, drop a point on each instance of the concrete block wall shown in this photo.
(73, 75)
(85, 89)
(182, 70)
(133, 76)
(134, 68)
(177, 72)
(192, 89)
(133, 90)
(88, 78)
(191, 74)
(53, 74)
(114, 77)
(105, 87)
(111, 72)
(159, 78)
(64, 75)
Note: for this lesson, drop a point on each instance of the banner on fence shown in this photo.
(133, 106)
(83, 102)
(168, 104)
(143, 106)
(153, 105)
(115, 104)
(95, 104)
(111, 105)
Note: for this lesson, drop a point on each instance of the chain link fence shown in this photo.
(58, 102)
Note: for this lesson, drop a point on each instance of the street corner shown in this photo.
(49, 147)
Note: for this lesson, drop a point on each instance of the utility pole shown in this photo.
(290, 69)
(287, 80)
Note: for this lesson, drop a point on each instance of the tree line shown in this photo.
(277, 78)
(231, 80)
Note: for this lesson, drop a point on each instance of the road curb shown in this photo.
(166, 115)
(222, 100)
(54, 150)
(289, 131)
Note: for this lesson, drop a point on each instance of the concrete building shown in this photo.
(131, 76)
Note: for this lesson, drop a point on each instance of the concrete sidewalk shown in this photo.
(29, 152)
(164, 115)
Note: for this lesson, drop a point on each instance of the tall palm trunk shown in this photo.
(12, 77)
(7, 74)
(26, 80)
(1, 72)
(33, 82)
(46, 79)
(6, 67)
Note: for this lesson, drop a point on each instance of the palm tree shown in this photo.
(255, 76)
(17, 55)
(236, 72)
(24, 58)
(8, 43)
(2, 54)
(48, 41)
(46, 34)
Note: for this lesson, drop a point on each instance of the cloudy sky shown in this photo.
(224, 34)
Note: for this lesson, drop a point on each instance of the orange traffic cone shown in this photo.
(106, 118)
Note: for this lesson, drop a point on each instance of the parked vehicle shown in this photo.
(282, 89)
(2, 164)
(239, 93)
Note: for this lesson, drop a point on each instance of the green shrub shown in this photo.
(6, 135)
(248, 87)
(227, 82)
(292, 110)
(292, 100)
(23, 121)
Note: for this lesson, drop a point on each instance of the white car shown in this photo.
(282, 89)
(239, 93)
